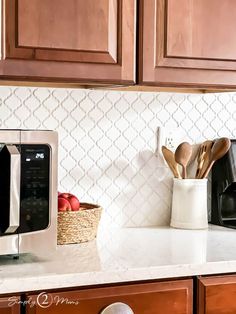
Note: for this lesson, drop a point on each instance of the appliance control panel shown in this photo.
(34, 191)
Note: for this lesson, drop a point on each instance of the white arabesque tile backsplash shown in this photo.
(107, 151)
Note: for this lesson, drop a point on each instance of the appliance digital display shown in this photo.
(36, 156)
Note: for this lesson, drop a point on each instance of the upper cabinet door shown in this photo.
(69, 40)
(188, 43)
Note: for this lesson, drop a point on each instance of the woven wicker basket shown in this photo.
(78, 226)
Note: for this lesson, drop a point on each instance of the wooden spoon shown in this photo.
(182, 156)
(170, 159)
(218, 150)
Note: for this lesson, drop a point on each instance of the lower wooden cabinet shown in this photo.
(10, 305)
(169, 297)
(213, 295)
(217, 295)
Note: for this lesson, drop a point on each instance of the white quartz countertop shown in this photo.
(124, 255)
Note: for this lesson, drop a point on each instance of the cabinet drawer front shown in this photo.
(172, 297)
(216, 295)
(10, 305)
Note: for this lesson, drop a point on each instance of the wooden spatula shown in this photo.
(218, 150)
(170, 159)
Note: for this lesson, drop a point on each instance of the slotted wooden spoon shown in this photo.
(203, 158)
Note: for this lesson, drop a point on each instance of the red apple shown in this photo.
(65, 195)
(63, 205)
(58, 193)
(72, 199)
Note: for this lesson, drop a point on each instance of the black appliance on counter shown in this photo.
(223, 198)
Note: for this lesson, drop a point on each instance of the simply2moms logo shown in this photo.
(43, 300)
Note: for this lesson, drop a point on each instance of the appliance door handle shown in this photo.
(10, 160)
(15, 169)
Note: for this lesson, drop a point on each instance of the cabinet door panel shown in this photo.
(60, 28)
(83, 40)
(174, 297)
(10, 305)
(88, 31)
(201, 29)
(217, 295)
(188, 42)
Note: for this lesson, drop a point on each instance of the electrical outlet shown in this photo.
(169, 137)
(170, 140)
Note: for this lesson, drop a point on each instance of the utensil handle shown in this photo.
(175, 171)
(200, 163)
(208, 169)
(199, 168)
(184, 173)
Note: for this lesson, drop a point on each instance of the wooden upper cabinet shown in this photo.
(187, 43)
(69, 40)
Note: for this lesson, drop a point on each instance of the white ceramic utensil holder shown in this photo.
(189, 204)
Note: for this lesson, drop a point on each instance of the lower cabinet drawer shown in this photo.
(169, 297)
(217, 295)
(10, 305)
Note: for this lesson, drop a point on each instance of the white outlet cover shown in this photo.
(176, 134)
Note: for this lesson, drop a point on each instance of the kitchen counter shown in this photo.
(121, 256)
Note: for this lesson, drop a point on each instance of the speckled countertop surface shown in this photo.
(121, 256)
